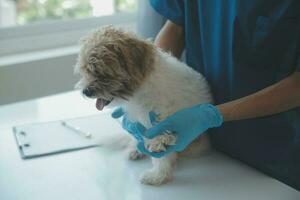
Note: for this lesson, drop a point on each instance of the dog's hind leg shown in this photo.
(136, 155)
(133, 153)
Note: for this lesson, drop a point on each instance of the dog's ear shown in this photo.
(129, 47)
(142, 51)
(136, 55)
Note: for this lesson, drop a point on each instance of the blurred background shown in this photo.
(39, 40)
(23, 12)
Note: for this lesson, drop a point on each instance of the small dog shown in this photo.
(120, 69)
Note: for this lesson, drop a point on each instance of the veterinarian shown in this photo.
(249, 52)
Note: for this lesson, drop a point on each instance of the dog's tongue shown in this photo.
(100, 104)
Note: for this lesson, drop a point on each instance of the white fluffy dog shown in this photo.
(119, 69)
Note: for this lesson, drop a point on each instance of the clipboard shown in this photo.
(61, 136)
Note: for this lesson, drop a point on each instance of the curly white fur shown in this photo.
(141, 78)
(171, 86)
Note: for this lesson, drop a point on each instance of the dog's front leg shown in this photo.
(161, 172)
(162, 169)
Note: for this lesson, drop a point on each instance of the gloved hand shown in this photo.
(187, 124)
(137, 130)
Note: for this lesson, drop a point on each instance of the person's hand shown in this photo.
(187, 124)
(134, 128)
(137, 130)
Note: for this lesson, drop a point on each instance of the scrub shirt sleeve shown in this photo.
(173, 10)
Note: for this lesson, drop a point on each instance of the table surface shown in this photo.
(100, 173)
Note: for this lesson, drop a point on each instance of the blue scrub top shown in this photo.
(241, 47)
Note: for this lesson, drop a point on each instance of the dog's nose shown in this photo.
(88, 92)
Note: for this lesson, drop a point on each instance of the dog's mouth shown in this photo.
(101, 103)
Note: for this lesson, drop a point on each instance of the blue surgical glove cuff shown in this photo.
(216, 117)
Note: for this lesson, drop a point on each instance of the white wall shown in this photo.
(37, 78)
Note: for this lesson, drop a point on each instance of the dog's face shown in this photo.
(112, 64)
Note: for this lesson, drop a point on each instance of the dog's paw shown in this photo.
(136, 155)
(159, 143)
(154, 177)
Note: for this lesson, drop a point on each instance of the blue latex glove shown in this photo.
(137, 130)
(187, 124)
(134, 128)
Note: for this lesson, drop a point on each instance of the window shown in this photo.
(38, 41)
(22, 12)
(34, 25)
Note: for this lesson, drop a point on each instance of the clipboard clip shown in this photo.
(22, 144)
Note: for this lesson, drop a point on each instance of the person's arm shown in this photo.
(276, 98)
(189, 123)
(171, 38)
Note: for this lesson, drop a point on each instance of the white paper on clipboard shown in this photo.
(48, 138)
